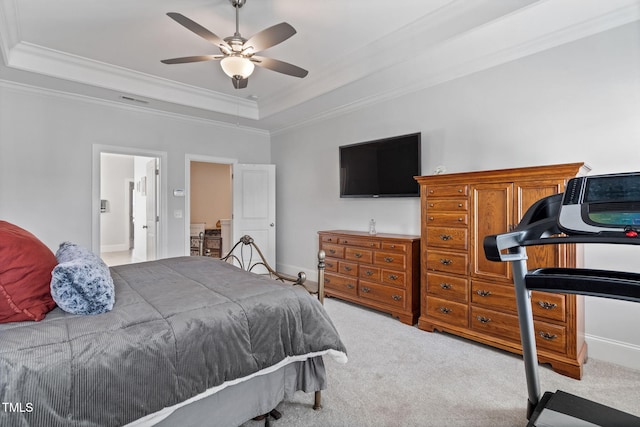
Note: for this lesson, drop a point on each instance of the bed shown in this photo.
(189, 340)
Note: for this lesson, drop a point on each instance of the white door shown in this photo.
(254, 206)
(152, 208)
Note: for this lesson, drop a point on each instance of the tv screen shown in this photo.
(381, 168)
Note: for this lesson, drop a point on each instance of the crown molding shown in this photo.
(38, 59)
(483, 48)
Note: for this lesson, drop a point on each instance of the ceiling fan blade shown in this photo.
(198, 29)
(187, 59)
(279, 66)
(269, 37)
(239, 83)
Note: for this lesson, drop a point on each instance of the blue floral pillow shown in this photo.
(81, 282)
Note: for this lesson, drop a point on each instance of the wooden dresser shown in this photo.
(465, 294)
(380, 271)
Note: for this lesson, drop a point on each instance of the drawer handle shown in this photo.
(445, 237)
(483, 319)
(392, 246)
(460, 219)
(459, 190)
(445, 285)
(357, 255)
(366, 290)
(393, 277)
(459, 205)
(445, 261)
(345, 242)
(369, 273)
(430, 205)
(483, 293)
(547, 305)
(396, 297)
(350, 286)
(444, 310)
(430, 218)
(332, 251)
(329, 264)
(547, 336)
(388, 259)
(347, 268)
(327, 280)
(371, 245)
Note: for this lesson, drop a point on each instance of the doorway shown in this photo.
(209, 204)
(253, 204)
(127, 184)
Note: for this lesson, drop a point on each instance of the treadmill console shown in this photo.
(593, 204)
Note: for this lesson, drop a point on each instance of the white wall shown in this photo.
(577, 102)
(46, 143)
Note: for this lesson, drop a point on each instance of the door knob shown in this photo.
(272, 225)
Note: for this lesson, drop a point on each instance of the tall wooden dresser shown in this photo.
(380, 271)
(465, 294)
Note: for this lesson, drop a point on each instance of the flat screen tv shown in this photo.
(381, 168)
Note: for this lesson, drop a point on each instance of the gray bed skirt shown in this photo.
(237, 403)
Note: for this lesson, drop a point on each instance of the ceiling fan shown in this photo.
(238, 55)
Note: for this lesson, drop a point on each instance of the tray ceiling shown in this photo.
(357, 51)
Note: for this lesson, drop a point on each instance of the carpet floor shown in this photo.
(399, 375)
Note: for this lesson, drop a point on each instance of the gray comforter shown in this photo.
(178, 327)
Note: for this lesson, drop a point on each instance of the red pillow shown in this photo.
(25, 275)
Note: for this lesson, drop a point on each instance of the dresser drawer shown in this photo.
(499, 297)
(380, 293)
(448, 311)
(361, 243)
(449, 262)
(450, 205)
(390, 260)
(549, 306)
(332, 250)
(448, 287)
(344, 285)
(548, 336)
(359, 255)
(448, 237)
(348, 268)
(448, 190)
(369, 272)
(329, 239)
(446, 218)
(394, 246)
(331, 264)
(394, 278)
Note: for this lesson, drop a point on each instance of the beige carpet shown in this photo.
(398, 375)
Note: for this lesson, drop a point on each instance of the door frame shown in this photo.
(97, 150)
(188, 158)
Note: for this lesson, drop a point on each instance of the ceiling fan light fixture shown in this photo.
(237, 66)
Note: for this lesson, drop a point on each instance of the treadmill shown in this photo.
(593, 209)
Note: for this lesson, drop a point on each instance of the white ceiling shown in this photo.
(357, 51)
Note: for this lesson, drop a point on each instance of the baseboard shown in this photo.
(618, 352)
(114, 248)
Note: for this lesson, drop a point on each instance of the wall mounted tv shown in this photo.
(381, 168)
